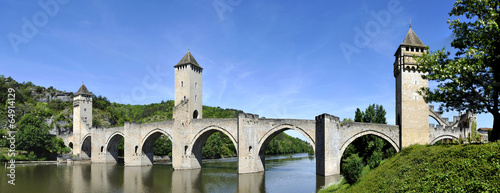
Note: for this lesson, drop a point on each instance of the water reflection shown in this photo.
(251, 182)
(283, 174)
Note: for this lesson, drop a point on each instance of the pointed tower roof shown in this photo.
(83, 91)
(188, 59)
(412, 39)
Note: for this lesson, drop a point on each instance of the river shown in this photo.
(290, 173)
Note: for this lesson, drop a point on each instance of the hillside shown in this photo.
(440, 168)
(55, 109)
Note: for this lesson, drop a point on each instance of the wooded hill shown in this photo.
(55, 109)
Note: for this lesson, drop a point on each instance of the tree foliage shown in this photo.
(471, 79)
(33, 136)
(373, 114)
(162, 146)
(353, 168)
(286, 144)
(372, 149)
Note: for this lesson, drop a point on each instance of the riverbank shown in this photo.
(424, 168)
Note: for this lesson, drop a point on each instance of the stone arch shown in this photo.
(263, 142)
(112, 144)
(433, 114)
(148, 141)
(367, 132)
(437, 119)
(201, 137)
(363, 133)
(443, 137)
(86, 146)
(70, 145)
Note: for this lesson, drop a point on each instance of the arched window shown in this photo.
(195, 114)
(136, 147)
(70, 145)
(102, 148)
(195, 97)
(182, 83)
(195, 85)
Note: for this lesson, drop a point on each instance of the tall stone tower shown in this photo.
(82, 121)
(188, 86)
(412, 112)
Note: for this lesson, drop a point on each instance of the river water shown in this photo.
(291, 173)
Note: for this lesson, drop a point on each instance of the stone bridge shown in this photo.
(250, 134)
(459, 128)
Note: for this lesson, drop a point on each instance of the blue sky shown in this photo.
(278, 59)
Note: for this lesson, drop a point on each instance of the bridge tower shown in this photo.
(412, 112)
(188, 108)
(188, 86)
(82, 122)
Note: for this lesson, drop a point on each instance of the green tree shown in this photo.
(162, 146)
(369, 115)
(212, 147)
(352, 168)
(358, 116)
(379, 114)
(370, 148)
(470, 80)
(33, 136)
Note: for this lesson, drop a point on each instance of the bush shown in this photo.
(65, 150)
(32, 156)
(3, 158)
(374, 159)
(352, 168)
(21, 157)
(390, 152)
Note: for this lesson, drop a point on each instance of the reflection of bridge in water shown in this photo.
(250, 134)
(110, 177)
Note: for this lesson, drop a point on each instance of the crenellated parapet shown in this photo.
(460, 127)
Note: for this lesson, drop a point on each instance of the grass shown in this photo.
(424, 168)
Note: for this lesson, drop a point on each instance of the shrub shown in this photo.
(390, 152)
(21, 157)
(374, 159)
(2, 158)
(65, 150)
(353, 168)
(32, 156)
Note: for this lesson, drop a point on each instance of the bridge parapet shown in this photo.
(350, 131)
(248, 116)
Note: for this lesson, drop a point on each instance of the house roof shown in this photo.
(412, 39)
(188, 59)
(83, 91)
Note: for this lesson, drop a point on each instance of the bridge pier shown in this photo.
(183, 158)
(249, 160)
(327, 145)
